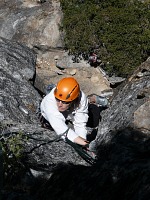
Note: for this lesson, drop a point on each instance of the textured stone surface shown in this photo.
(130, 104)
(19, 104)
(91, 80)
(37, 26)
(122, 169)
(142, 116)
(19, 99)
(31, 22)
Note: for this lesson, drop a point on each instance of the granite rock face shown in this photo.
(31, 22)
(130, 104)
(19, 106)
(19, 99)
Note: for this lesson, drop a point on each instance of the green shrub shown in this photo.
(12, 151)
(118, 31)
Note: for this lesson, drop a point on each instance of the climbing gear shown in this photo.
(67, 89)
(82, 151)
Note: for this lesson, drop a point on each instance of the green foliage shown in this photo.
(12, 145)
(118, 31)
(12, 148)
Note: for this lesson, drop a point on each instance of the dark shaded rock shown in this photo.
(122, 172)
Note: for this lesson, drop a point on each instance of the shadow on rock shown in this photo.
(121, 172)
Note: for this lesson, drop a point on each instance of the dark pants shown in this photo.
(94, 115)
(93, 121)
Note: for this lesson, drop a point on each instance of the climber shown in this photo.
(93, 59)
(66, 102)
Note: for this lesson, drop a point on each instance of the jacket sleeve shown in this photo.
(81, 117)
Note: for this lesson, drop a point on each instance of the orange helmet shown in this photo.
(67, 89)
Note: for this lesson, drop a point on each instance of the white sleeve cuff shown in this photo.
(71, 135)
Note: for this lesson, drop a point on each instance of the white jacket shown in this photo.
(79, 116)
